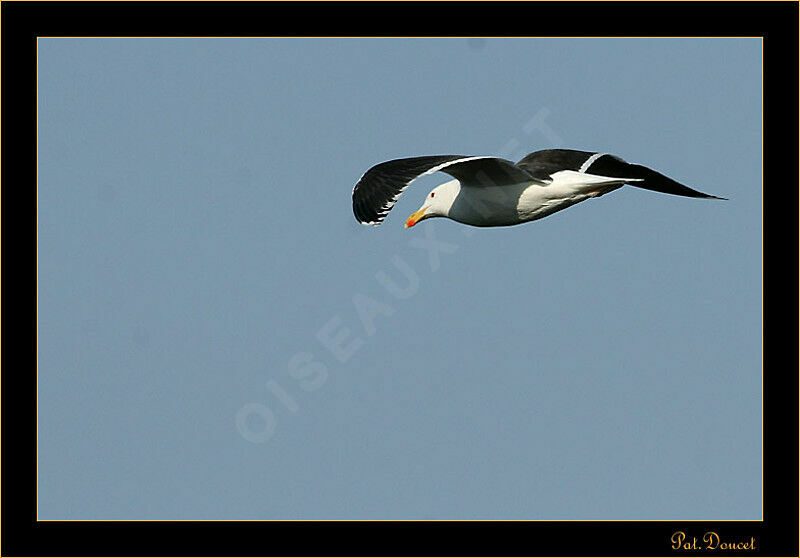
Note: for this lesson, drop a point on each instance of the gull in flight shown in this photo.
(494, 192)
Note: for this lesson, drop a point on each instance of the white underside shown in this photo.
(511, 204)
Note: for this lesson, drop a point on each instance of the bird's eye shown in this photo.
(431, 194)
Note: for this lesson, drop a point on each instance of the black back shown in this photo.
(542, 164)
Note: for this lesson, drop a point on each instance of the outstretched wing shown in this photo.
(544, 164)
(609, 165)
(377, 191)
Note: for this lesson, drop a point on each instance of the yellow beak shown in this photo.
(415, 218)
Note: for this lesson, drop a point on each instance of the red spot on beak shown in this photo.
(415, 218)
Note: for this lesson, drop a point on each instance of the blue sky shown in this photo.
(219, 339)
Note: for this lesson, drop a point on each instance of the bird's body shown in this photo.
(494, 192)
(512, 204)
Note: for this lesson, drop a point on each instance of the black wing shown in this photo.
(377, 191)
(542, 164)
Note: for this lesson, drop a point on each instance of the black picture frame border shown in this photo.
(22, 22)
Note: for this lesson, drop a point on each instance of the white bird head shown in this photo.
(437, 203)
